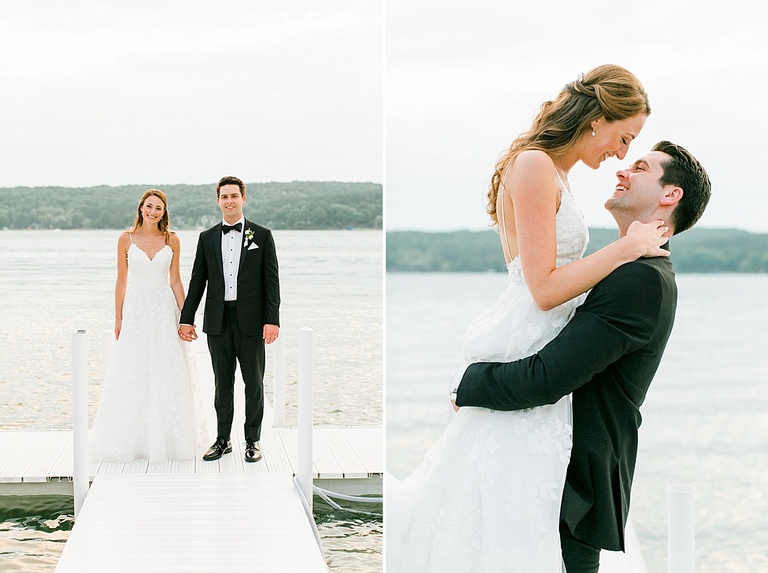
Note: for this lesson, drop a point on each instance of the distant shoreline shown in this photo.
(298, 205)
(699, 250)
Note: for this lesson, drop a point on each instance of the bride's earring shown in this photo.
(593, 132)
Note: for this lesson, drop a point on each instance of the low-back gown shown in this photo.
(486, 498)
(150, 404)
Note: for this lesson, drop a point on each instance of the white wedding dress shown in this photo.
(150, 404)
(486, 498)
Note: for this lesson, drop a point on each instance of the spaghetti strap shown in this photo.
(562, 180)
(130, 235)
(503, 224)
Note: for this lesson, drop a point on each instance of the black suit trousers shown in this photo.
(578, 556)
(226, 348)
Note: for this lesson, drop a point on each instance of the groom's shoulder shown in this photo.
(211, 230)
(256, 227)
(632, 279)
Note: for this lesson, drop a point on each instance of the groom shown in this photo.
(606, 356)
(237, 262)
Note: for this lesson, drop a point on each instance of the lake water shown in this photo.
(53, 283)
(705, 420)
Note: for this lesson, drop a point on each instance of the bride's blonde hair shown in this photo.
(608, 91)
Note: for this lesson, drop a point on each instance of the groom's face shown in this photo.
(638, 191)
(231, 202)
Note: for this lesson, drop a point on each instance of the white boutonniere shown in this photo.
(248, 236)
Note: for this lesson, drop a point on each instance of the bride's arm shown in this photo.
(122, 280)
(175, 274)
(534, 196)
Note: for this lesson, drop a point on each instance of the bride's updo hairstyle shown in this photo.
(608, 91)
(165, 221)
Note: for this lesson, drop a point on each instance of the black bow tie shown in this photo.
(227, 228)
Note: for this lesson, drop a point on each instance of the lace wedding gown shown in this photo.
(150, 404)
(486, 498)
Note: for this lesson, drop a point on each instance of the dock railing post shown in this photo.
(304, 474)
(681, 534)
(278, 383)
(80, 418)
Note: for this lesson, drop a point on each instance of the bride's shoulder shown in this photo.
(533, 160)
(124, 238)
(531, 169)
(173, 240)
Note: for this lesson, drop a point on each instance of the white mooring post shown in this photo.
(304, 474)
(681, 535)
(278, 383)
(80, 418)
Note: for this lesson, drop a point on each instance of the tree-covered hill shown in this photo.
(294, 205)
(697, 250)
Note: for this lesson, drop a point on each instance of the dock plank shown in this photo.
(339, 453)
(365, 445)
(39, 470)
(325, 461)
(169, 522)
(17, 454)
(62, 464)
(353, 466)
(275, 456)
(137, 466)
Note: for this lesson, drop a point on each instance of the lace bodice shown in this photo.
(148, 272)
(572, 237)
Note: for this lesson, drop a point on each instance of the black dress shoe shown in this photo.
(218, 449)
(252, 451)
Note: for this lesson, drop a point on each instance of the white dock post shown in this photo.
(681, 534)
(304, 474)
(278, 383)
(107, 346)
(80, 418)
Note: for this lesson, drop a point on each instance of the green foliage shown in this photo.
(295, 205)
(460, 251)
(695, 251)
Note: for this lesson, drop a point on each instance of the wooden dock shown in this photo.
(192, 523)
(191, 515)
(346, 460)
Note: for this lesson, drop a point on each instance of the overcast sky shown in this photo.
(185, 91)
(465, 78)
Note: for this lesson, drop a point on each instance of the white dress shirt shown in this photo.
(231, 245)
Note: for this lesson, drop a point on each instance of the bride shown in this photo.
(486, 498)
(150, 405)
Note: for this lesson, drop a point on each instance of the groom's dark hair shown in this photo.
(684, 170)
(230, 180)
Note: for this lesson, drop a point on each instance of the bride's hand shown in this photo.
(646, 238)
(118, 327)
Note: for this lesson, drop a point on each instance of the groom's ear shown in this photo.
(672, 195)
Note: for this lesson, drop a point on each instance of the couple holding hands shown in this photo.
(150, 405)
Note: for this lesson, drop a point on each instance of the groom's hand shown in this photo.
(457, 377)
(270, 333)
(187, 332)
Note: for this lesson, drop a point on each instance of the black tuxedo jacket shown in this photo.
(258, 284)
(607, 356)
